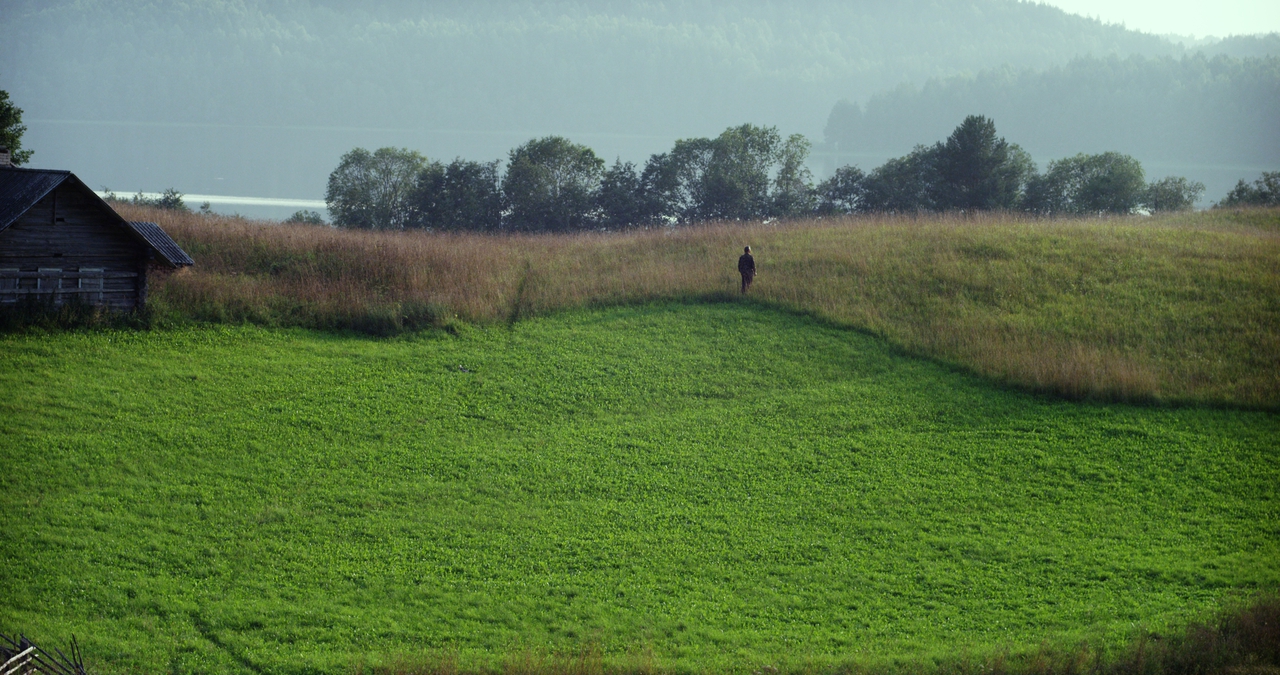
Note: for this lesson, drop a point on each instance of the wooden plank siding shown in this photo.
(69, 232)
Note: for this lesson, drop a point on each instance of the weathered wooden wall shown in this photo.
(67, 245)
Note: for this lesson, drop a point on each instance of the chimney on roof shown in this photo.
(5, 160)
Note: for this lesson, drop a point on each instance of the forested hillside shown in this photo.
(222, 97)
(1240, 46)
(1193, 109)
(649, 68)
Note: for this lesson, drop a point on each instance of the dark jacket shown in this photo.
(746, 264)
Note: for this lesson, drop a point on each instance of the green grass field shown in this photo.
(689, 486)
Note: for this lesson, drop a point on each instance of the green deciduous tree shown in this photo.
(623, 199)
(374, 190)
(737, 181)
(11, 130)
(675, 180)
(1088, 184)
(793, 191)
(1263, 192)
(747, 172)
(551, 185)
(843, 192)
(463, 195)
(903, 185)
(1173, 193)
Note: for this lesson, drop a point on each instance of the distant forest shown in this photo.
(1192, 109)
(643, 68)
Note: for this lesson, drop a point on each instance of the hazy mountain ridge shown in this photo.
(1242, 46)
(1194, 109)
(602, 66)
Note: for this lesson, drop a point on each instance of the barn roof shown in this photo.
(160, 241)
(21, 189)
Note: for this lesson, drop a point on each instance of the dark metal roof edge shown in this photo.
(25, 169)
(147, 230)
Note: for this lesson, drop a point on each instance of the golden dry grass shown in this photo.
(1183, 308)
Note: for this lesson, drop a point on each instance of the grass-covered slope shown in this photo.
(1178, 308)
(696, 486)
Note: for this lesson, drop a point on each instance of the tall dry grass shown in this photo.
(1182, 308)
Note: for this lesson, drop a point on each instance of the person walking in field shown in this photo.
(747, 268)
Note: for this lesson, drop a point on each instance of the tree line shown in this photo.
(552, 184)
(746, 173)
(1265, 191)
(975, 169)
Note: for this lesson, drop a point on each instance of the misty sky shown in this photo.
(1182, 17)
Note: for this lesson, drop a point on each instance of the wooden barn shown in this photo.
(59, 240)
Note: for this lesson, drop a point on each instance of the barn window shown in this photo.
(91, 283)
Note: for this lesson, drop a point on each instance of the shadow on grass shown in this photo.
(1240, 641)
(34, 315)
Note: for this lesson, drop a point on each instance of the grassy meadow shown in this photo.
(1181, 308)
(690, 487)
(937, 443)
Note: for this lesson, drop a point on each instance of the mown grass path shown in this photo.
(714, 486)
